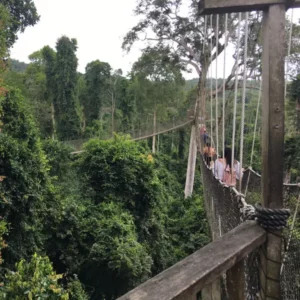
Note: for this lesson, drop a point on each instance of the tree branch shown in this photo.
(192, 64)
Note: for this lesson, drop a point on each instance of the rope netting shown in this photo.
(227, 207)
(145, 131)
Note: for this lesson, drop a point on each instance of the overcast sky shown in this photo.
(99, 27)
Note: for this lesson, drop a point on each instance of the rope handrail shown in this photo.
(153, 134)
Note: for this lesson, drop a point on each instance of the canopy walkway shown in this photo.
(142, 134)
(255, 250)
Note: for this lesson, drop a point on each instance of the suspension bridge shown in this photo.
(253, 254)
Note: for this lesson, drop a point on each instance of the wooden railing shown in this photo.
(187, 278)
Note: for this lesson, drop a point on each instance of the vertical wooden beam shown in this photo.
(190, 174)
(212, 291)
(235, 280)
(272, 141)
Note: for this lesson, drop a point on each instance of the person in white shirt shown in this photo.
(222, 163)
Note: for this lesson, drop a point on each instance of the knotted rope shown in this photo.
(268, 218)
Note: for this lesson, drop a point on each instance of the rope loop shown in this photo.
(272, 219)
(248, 212)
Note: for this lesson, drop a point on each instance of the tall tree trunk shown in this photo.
(113, 104)
(83, 123)
(154, 131)
(101, 113)
(190, 174)
(298, 116)
(53, 120)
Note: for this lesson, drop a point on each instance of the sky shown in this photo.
(99, 27)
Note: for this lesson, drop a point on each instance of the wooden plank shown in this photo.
(203, 267)
(212, 291)
(272, 140)
(207, 7)
(236, 281)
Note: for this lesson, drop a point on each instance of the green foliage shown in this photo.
(26, 186)
(96, 76)
(295, 89)
(59, 157)
(293, 107)
(188, 227)
(3, 231)
(66, 98)
(292, 157)
(5, 22)
(116, 261)
(17, 66)
(76, 292)
(22, 13)
(33, 280)
(101, 167)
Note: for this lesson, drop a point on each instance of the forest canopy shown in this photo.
(98, 223)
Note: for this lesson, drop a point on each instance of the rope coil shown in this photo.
(272, 219)
(268, 218)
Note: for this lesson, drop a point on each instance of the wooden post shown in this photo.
(190, 174)
(212, 291)
(235, 280)
(272, 142)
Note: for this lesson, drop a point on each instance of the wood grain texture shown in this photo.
(192, 274)
(207, 7)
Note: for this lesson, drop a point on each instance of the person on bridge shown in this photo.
(203, 134)
(209, 154)
(227, 172)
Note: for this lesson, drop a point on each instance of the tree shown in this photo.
(22, 13)
(66, 97)
(127, 106)
(113, 92)
(116, 261)
(158, 84)
(97, 78)
(33, 280)
(165, 26)
(35, 81)
(26, 191)
(50, 68)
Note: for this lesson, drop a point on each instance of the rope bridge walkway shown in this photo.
(141, 134)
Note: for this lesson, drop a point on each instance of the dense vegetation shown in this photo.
(91, 226)
(95, 225)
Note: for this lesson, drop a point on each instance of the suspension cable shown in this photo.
(236, 88)
(243, 98)
(254, 136)
(217, 98)
(211, 84)
(203, 93)
(224, 88)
